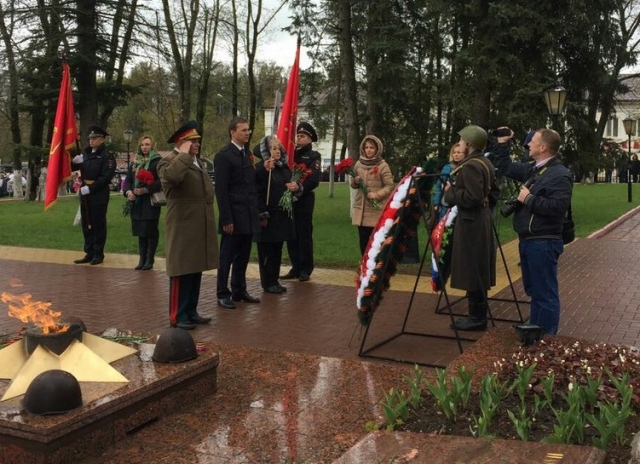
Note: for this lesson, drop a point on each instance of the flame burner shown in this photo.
(57, 342)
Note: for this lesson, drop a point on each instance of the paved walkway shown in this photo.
(302, 347)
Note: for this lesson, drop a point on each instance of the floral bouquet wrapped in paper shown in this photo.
(299, 172)
(346, 167)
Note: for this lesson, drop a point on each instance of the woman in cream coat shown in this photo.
(375, 174)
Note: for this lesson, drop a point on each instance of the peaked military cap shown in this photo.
(95, 131)
(187, 132)
(306, 128)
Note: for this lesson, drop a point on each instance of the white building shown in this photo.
(625, 105)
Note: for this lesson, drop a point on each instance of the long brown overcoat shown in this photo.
(473, 257)
(191, 235)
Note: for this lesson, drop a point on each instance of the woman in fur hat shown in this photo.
(373, 183)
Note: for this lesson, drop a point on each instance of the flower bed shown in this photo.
(561, 390)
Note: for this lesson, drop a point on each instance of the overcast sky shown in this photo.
(277, 45)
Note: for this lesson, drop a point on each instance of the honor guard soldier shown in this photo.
(301, 248)
(97, 167)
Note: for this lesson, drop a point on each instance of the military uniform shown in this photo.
(97, 169)
(301, 248)
(191, 240)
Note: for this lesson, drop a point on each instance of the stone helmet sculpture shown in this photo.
(52, 392)
(174, 345)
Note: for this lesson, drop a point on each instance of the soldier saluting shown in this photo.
(97, 167)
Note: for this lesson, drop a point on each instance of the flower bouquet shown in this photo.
(144, 177)
(346, 167)
(299, 172)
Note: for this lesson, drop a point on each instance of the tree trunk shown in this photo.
(252, 31)
(347, 67)
(14, 114)
(236, 46)
(118, 53)
(182, 65)
(87, 27)
(334, 140)
(210, 33)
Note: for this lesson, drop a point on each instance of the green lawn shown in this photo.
(335, 239)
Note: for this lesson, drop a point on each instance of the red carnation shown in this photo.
(344, 167)
(145, 177)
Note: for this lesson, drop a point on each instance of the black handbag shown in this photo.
(568, 228)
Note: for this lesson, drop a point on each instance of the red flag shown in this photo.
(64, 137)
(289, 118)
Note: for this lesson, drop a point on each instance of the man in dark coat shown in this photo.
(191, 239)
(541, 208)
(301, 248)
(97, 167)
(237, 197)
(473, 261)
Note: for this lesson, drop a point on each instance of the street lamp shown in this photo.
(128, 134)
(630, 128)
(556, 99)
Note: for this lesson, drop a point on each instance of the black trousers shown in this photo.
(363, 234)
(301, 249)
(94, 227)
(235, 250)
(269, 260)
(184, 294)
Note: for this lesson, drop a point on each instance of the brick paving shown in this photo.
(598, 287)
(600, 301)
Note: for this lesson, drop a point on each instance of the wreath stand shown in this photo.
(401, 229)
(520, 320)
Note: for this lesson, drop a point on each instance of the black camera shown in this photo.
(510, 206)
(500, 132)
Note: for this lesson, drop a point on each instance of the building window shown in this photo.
(612, 127)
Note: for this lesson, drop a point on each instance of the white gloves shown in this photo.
(78, 159)
(84, 190)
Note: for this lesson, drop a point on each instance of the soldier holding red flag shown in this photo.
(97, 167)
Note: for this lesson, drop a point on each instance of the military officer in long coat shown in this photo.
(191, 239)
(473, 259)
(97, 167)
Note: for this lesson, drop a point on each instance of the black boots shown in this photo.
(477, 319)
(151, 253)
(143, 247)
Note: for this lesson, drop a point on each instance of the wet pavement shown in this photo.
(292, 387)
